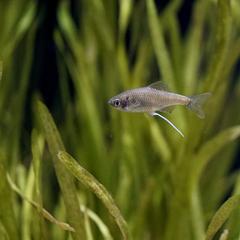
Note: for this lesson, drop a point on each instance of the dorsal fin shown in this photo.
(159, 85)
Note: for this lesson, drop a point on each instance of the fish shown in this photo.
(157, 98)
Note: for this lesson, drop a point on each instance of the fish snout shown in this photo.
(110, 102)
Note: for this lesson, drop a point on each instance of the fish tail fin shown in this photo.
(196, 103)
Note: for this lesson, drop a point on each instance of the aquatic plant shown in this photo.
(138, 179)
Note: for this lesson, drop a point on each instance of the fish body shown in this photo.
(156, 97)
(147, 100)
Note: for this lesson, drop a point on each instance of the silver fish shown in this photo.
(156, 97)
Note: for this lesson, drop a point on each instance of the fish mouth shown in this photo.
(110, 101)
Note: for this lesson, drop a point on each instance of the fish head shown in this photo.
(122, 102)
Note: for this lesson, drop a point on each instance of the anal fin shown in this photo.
(168, 109)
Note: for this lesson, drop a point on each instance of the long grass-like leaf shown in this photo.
(41, 210)
(3, 233)
(222, 215)
(66, 183)
(222, 37)
(233, 222)
(37, 147)
(211, 147)
(97, 220)
(27, 213)
(1, 70)
(7, 216)
(125, 11)
(96, 187)
(162, 54)
(19, 29)
(193, 47)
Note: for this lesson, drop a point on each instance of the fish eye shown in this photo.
(117, 103)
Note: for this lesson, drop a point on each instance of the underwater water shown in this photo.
(73, 167)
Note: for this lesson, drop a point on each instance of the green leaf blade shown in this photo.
(222, 215)
(96, 187)
(65, 180)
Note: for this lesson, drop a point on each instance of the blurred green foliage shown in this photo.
(147, 179)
